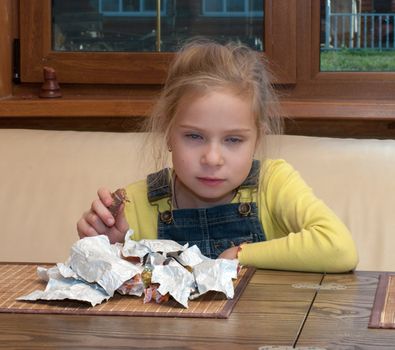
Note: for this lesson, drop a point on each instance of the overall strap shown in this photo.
(159, 185)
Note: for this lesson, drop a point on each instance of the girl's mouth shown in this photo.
(209, 181)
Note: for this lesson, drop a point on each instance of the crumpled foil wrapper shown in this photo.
(145, 246)
(216, 275)
(193, 256)
(97, 269)
(69, 288)
(176, 281)
(92, 273)
(94, 259)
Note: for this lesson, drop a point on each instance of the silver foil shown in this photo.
(94, 259)
(69, 288)
(97, 269)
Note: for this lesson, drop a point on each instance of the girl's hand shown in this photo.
(230, 253)
(99, 220)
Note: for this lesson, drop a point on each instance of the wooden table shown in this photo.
(276, 308)
(339, 318)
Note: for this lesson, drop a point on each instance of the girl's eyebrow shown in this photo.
(226, 131)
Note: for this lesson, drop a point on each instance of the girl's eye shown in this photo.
(193, 136)
(234, 139)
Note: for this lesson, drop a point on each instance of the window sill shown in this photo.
(104, 106)
(340, 109)
(75, 107)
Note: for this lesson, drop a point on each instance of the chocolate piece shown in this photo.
(118, 198)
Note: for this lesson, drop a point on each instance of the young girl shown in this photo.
(213, 114)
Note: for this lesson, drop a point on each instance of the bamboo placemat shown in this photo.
(20, 279)
(383, 312)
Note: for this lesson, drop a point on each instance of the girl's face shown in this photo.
(213, 141)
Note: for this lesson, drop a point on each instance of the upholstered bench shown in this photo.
(48, 178)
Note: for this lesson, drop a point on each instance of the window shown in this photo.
(314, 83)
(113, 42)
(357, 35)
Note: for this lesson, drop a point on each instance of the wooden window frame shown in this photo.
(141, 67)
(315, 55)
(313, 85)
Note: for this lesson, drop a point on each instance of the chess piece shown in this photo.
(50, 87)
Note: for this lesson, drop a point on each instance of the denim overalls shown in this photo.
(212, 229)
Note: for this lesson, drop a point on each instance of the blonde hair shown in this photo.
(201, 65)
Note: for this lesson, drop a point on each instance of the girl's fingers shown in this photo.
(105, 196)
(96, 223)
(84, 229)
(99, 220)
(121, 224)
(115, 236)
(99, 208)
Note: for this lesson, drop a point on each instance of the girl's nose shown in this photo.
(213, 155)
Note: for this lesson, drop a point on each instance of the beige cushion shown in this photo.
(356, 178)
(48, 178)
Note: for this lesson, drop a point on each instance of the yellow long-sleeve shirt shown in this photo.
(302, 233)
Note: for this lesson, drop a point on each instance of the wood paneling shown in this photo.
(75, 107)
(140, 105)
(352, 128)
(280, 39)
(117, 124)
(6, 36)
(339, 110)
(369, 119)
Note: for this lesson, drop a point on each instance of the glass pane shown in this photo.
(357, 35)
(110, 5)
(131, 5)
(134, 26)
(256, 5)
(213, 5)
(235, 5)
(150, 5)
